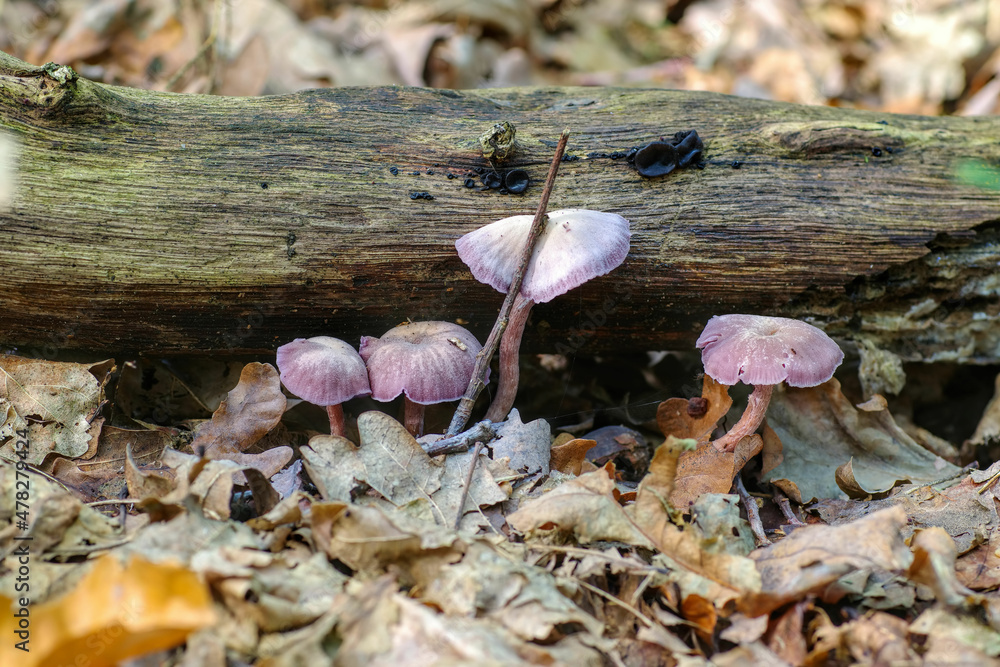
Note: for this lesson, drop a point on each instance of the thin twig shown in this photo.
(123, 501)
(786, 508)
(615, 600)
(468, 482)
(455, 444)
(478, 381)
(753, 513)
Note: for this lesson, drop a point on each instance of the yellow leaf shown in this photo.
(116, 612)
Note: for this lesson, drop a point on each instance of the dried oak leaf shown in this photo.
(707, 470)
(584, 507)
(56, 402)
(381, 626)
(821, 432)
(934, 556)
(570, 456)
(246, 415)
(988, 428)
(674, 417)
(370, 539)
(813, 557)
(526, 600)
(143, 606)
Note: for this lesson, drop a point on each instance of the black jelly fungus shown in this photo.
(876, 151)
(516, 181)
(657, 158)
(470, 182)
(503, 191)
(618, 155)
(479, 170)
(430, 171)
(451, 176)
(596, 154)
(888, 149)
(492, 179)
(263, 186)
(570, 158)
(393, 170)
(688, 146)
(414, 195)
(737, 164)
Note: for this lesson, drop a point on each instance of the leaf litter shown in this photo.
(556, 559)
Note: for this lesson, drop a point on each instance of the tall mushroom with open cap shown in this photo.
(428, 362)
(575, 246)
(764, 352)
(324, 371)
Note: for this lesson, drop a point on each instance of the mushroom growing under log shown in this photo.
(144, 222)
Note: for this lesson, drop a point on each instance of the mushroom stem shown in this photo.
(336, 415)
(751, 419)
(413, 417)
(510, 372)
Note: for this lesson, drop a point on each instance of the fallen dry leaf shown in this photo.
(707, 470)
(116, 612)
(250, 410)
(821, 432)
(934, 555)
(813, 557)
(683, 418)
(61, 399)
(988, 428)
(584, 507)
(570, 456)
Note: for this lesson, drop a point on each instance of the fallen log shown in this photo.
(154, 223)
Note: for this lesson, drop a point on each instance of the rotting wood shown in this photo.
(155, 223)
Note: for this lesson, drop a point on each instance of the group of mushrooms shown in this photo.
(432, 362)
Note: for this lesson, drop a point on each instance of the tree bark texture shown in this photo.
(153, 223)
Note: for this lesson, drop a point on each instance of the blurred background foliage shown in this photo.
(903, 56)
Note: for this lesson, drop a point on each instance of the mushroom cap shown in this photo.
(322, 370)
(576, 245)
(763, 350)
(431, 362)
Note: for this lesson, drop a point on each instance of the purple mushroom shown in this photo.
(576, 245)
(763, 352)
(428, 362)
(323, 371)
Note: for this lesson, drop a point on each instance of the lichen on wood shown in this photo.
(147, 222)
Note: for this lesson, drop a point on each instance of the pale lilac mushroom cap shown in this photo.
(322, 370)
(430, 362)
(576, 245)
(759, 350)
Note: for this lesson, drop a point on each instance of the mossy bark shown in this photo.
(156, 223)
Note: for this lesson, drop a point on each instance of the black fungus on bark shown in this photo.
(659, 158)
(516, 181)
(492, 180)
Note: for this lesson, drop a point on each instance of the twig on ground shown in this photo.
(478, 380)
(753, 513)
(468, 483)
(782, 500)
(461, 442)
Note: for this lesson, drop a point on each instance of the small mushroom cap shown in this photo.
(431, 362)
(767, 350)
(322, 370)
(577, 245)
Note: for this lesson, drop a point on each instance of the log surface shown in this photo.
(156, 223)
